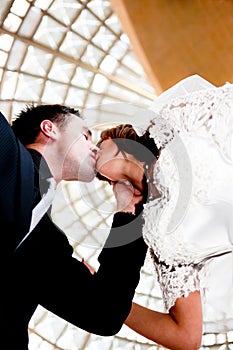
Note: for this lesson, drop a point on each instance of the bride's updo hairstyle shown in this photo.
(127, 140)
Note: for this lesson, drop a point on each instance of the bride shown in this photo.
(183, 161)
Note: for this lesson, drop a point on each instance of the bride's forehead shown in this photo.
(108, 143)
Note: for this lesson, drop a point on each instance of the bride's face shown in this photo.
(110, 162)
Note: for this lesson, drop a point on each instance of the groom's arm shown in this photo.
(123, 255)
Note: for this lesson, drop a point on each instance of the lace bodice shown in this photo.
(206, 113)
(190, 223)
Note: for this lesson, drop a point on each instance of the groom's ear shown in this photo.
(49, 129)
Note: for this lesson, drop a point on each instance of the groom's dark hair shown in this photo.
(26, 126)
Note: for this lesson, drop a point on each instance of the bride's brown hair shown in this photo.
(142, 147)
(123, 132)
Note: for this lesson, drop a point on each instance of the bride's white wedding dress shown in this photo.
(189, 227)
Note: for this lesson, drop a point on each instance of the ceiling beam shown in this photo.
(177, 38)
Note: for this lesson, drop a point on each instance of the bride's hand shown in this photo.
(127, 196)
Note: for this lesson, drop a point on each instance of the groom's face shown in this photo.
(79, 151)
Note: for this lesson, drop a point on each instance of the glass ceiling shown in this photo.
(69, 52)
(74, 52)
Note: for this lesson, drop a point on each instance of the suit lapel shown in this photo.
(25, 189)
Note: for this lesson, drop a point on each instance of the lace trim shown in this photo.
(178, 281)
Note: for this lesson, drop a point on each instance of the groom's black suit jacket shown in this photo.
(16, 187)
(43, 271)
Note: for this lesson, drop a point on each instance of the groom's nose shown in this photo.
(94, 148)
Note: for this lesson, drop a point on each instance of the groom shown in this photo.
(47, 144)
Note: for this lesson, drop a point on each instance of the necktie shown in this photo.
(41, 208)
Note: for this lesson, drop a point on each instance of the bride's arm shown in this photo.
(180, 329)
